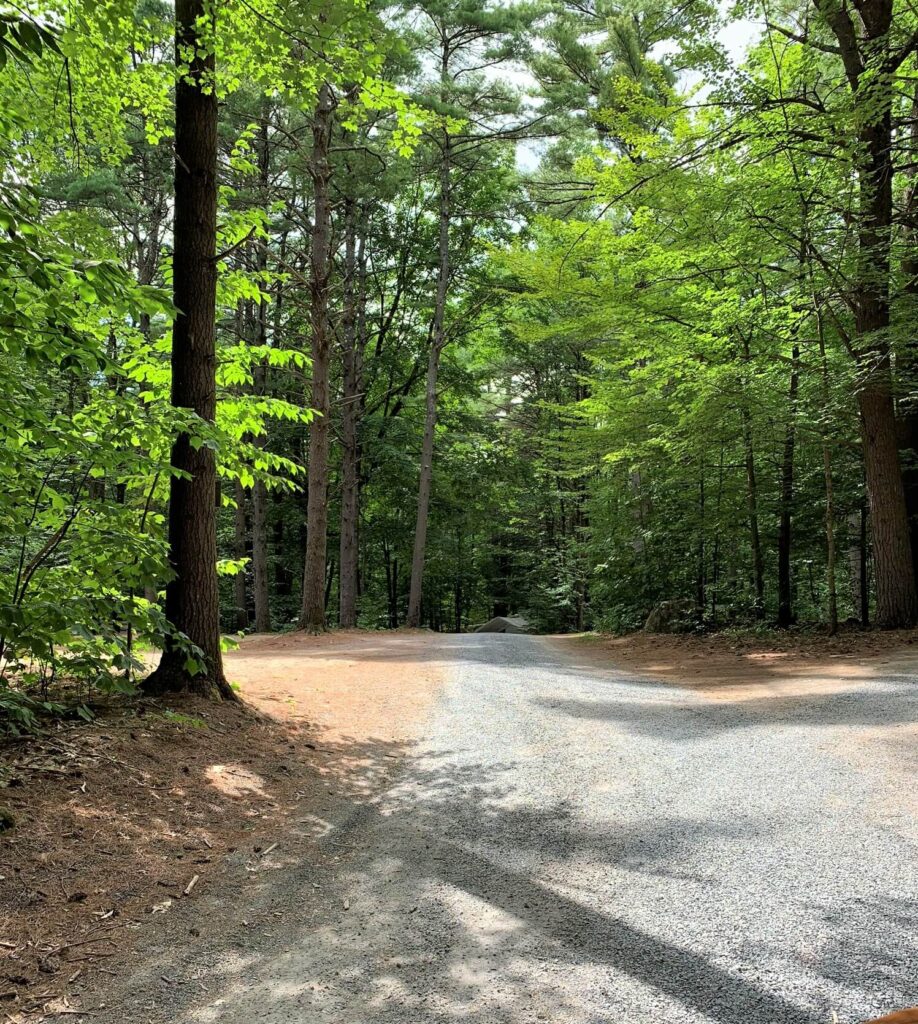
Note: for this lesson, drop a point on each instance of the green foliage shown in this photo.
(182, 720)
(624, 322)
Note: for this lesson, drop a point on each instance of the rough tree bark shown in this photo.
(437, 343)
(312, 614)
(350, 416)
(192, 596)
(897, 602)
(869, 67)
(907, 363)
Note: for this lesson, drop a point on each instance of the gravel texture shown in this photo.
(576, 845)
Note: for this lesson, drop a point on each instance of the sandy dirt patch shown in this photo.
(745, 667)
(349, 685)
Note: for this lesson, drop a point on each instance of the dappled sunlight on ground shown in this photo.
(234, 780)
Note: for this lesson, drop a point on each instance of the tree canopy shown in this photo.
(354, 314)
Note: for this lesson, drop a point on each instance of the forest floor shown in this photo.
(120, 821)
(748, 665)
(412, 827)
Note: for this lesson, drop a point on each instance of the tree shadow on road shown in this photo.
(892, 702)
(450, 918)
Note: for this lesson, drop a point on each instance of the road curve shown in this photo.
(579, 845)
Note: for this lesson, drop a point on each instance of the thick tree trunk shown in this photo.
(908, 437)
(192, 595)
(897, 600)
(312, 614)
(864, 49)
(785, 584)
(438, 341)
(350, 416)
(907, 359)
(895, 583)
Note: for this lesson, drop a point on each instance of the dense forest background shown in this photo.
(563, 309)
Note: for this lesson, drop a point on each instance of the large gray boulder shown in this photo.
(504, 624)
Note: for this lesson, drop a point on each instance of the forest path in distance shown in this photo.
(571, 843)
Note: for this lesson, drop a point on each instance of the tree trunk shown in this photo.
(457, 583)
(192, 595)
(785, 590)
(240, 609)
(283, 576)
(854, 561)
(329, 582)
(865, 53)
(907, 359)
(863, 573)
(260, 586)
(438, 340)
(715, 557)
(239, 552)
(312, 614)
(897, 600)
(831, 586)
(413, 617)
(895, 582)
(391, 567)
(350, 414)
(701, 598)
(752, 505)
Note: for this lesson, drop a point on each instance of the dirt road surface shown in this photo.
(573, 843)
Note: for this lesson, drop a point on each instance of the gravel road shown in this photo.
(578, 845)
